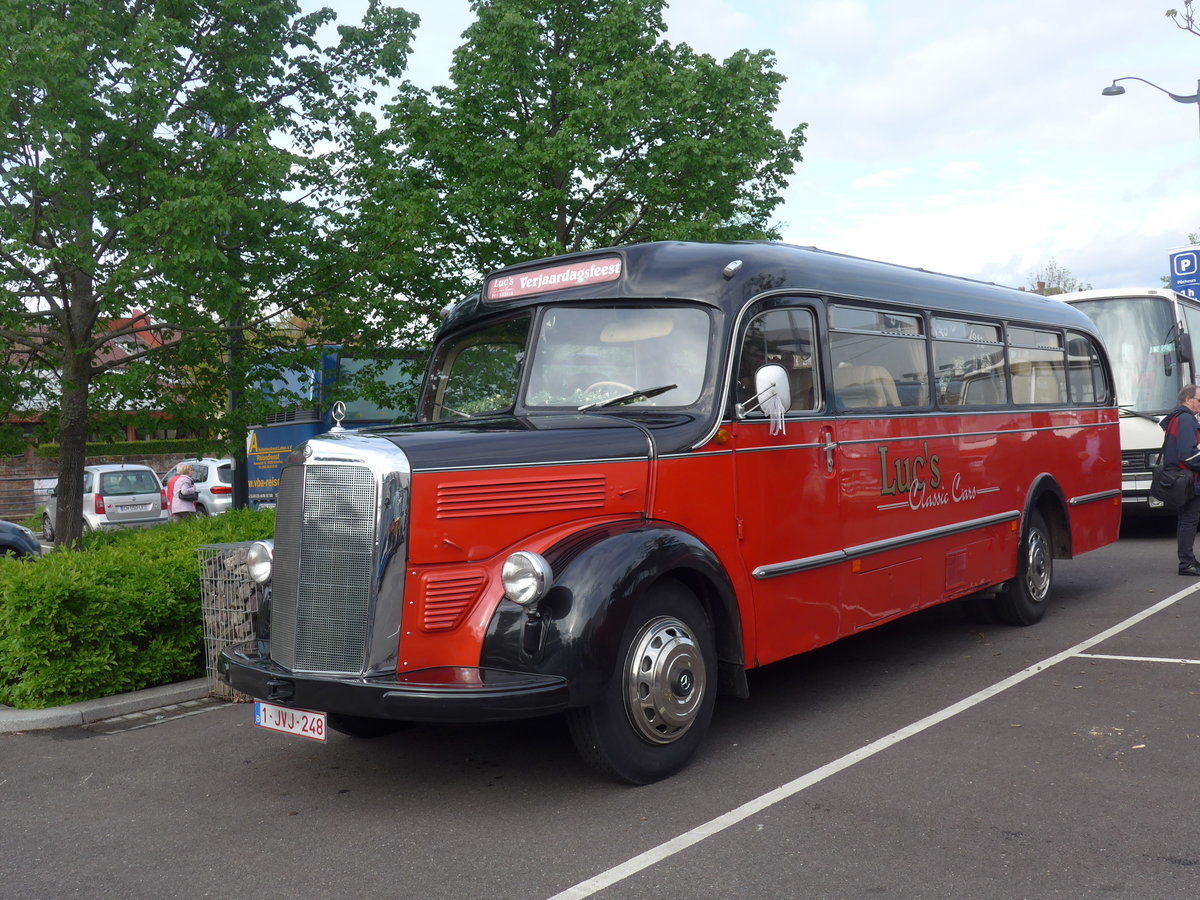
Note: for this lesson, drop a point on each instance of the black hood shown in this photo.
(518, 441)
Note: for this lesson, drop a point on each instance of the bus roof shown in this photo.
(730, 275)
(1114, 293)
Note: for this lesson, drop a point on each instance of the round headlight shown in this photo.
(526, 578)
(258, 560)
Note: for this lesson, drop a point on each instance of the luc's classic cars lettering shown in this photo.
(918, 482)
(909, 473)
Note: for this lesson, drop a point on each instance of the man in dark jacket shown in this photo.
(1179, 449)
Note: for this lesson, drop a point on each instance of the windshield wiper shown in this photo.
(644, 394)
(451, 409)
(1134, 412)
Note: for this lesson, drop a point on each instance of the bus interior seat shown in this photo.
(1035, 384)
(864, 387)
(800, 377)
(987, 391)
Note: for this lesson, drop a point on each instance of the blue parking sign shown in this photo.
(1185, 271)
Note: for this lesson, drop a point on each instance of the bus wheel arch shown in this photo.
(1046, 498)
(601, 576)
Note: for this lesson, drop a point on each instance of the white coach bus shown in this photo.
(1148, 335)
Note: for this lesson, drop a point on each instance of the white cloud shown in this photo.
(961, 170)
(886, 179)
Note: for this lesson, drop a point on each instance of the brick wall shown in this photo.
(24, 481)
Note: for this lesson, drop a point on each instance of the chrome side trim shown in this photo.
(774, 570)
(1093, 498)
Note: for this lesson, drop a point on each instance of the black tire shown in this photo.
(47, 528)
(201, 511)
(362, 726)
(1025, 601)
(659, 700)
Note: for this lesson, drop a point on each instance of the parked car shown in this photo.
(115, 496)
(214, 483)
(17, 540)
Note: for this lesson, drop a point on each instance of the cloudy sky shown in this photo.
(968, 138)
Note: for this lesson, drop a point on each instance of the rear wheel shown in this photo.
(1024, 603)
(659, 700)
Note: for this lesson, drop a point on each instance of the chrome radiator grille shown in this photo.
(321, 592)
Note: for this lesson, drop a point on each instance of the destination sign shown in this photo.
(553, 278)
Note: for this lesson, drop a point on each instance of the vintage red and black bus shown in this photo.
(639, 472)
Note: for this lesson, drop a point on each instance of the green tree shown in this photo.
(1185, 20)
(200, 160)
(572, 124)
(1051, 278)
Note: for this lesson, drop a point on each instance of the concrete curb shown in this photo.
(88, 711)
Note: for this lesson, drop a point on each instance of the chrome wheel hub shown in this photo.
(1037, 566)
(665, 680)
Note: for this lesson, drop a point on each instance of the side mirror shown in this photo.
(1184, 345)
(772, 381)
(53, 492)
(771, 386)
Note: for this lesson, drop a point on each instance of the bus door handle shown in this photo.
(828, 446)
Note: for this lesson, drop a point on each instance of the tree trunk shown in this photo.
(72, 446)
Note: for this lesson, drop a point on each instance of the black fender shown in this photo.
(599, 575)
(1046, 496)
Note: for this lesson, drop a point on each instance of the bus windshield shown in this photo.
(477, 372)
(589, 355)
(1139, 333)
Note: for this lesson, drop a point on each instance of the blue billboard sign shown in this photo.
(266, 451)
(1185, 271)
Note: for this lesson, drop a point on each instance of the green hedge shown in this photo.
(183, 446)
(121, 614)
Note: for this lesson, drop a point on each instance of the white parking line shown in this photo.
(1153, 659)
(715, 826)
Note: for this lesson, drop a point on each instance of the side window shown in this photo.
(878, 358)
(1037, 363)
(1191, 320)
(968, 363)
(1085, 373)
(784, 337)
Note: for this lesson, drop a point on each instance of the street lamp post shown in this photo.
(1115, 90)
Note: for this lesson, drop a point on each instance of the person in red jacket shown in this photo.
(181, 494)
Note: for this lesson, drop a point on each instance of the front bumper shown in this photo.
(441, 694)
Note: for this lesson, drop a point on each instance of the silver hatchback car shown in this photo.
(214, 483)
(115, 496)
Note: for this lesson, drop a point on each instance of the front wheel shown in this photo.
(47, 528)
(1025, 601)
(658, 704)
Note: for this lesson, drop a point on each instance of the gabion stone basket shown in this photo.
(229, 601)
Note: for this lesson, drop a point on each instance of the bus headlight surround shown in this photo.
(526, 578)
(258, 560)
